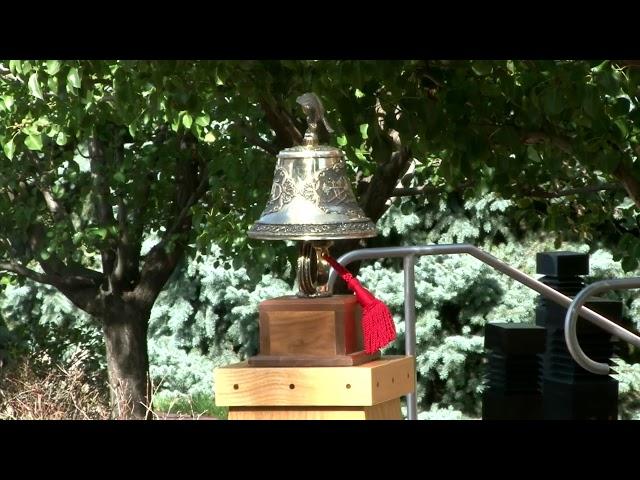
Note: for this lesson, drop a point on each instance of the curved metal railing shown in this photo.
(409, 254)
(571, 321)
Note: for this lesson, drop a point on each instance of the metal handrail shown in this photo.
(409, 253)
(571, 320)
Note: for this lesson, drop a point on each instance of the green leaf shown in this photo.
(197, 130)
(53, 67)
(342, 140)
(600, 66)
(9, 149)
(30, 129)
(209, 137)
(97, 232)
(203, 120)
(622, 127)
(42, 121)
(73, 77)
(607, 160)
(626, 242)
(34, 142)
(175, 124)
(61, 139)
(629, 263)
(187, 120)
(53, 130)
(590, 101)
(119, 177)
(532, 154)
(8, 101)
(363, 130)
(636, 250)
(34, 86)
(52, 83)
(57, 190)
(482, 68)
(218, 77)
(551, 102)
(621, 107)
(15, 66)
(26, 67)
(609, 81)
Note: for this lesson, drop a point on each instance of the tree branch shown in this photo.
(629, 181)
(49, 279)
(102, 198)
(54, 266)
(119, 270)
(383, 182)
(562, 143)
(18, 268)
(255, 140)
(160, 263)
(537, 193)
(57, 211)
(130, 219)
(393, 161)
(287, 134)
(427, 189)
(157, 269)
(101, 187)
(190, 202)
(415, 191)
(81, 290)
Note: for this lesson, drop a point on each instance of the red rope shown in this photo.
(378, 329)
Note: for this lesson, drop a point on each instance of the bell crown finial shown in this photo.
(314, 110)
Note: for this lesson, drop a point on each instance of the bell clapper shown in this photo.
(313, 269)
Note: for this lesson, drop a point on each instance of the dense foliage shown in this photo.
(99, 155)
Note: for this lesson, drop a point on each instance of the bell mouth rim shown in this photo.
(343, 231)
(308, 238)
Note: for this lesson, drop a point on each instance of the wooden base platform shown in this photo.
(368, 391)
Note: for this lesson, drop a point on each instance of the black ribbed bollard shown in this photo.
(569, 391)
(512, 389)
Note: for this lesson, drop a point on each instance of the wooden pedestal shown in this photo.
(368, 391)
(310, 332)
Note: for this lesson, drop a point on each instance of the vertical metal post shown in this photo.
(410, 325)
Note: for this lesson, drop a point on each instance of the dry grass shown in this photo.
(35, 389)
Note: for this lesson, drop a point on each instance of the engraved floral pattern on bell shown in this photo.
(334, 188)
(309, 191)
(282, 191)
(326, 189)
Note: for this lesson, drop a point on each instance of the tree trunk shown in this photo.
(128, 363)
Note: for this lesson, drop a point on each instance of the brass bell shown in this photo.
(312, 200)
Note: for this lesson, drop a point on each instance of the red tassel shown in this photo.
(378, 328)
